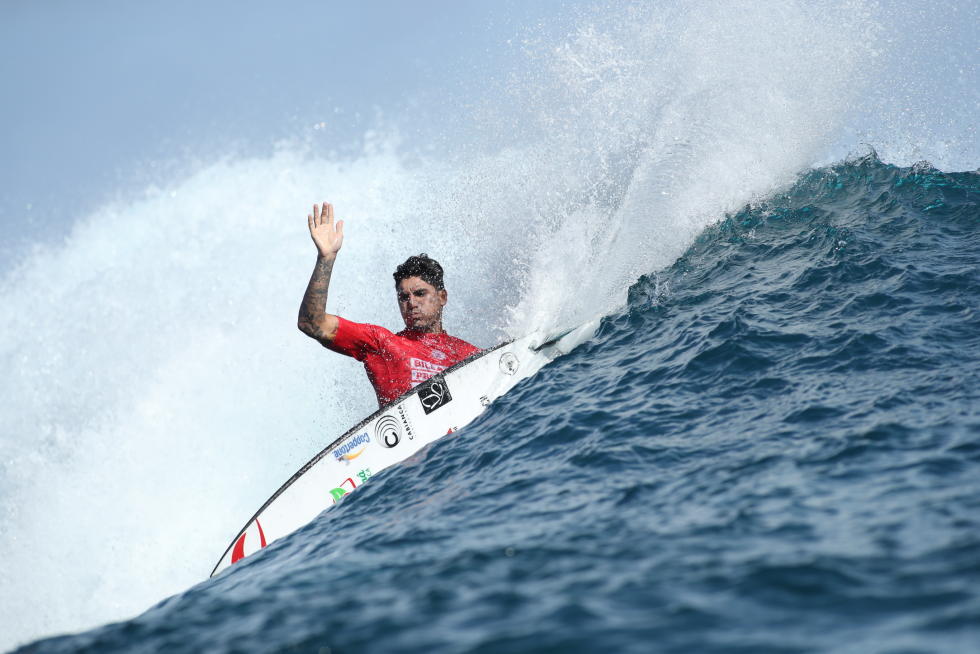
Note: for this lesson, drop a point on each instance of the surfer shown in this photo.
(394, 362)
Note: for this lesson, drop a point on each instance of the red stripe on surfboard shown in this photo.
(239, 552)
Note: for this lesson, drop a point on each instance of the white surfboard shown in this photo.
(431, 410)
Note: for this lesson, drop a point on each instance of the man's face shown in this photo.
(421, 304)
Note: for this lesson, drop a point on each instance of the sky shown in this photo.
(102, 98)
(106, 96)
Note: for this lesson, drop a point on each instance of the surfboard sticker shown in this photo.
(434, 394)
(509, 363)
(431, 410)
(387, 431)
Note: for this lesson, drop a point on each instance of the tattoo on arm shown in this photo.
(314, 304)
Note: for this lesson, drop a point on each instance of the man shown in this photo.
(394, 362)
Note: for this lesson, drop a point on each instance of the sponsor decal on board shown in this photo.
(347, 486)
(406, 423)
(353, 448)
(509, 363)
(387, 431)
(434, 394)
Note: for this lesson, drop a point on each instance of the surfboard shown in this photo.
(435, 408)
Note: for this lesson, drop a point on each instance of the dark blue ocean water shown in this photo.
(775, 447)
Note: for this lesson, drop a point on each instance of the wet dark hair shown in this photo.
(420, 265)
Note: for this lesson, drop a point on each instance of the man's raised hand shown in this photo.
(327, 238)
(314, 321)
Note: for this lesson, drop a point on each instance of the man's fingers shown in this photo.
(340, 228)
(309, 220)
(322, 215)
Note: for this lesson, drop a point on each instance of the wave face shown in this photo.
(773, 447)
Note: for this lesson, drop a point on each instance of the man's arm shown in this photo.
(314, 321)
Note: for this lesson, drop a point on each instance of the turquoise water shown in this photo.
(774, 447)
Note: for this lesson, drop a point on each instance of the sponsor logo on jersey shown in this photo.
(434, 394)
(352, 448)
(423, 370)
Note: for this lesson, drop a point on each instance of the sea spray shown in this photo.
(673, 117)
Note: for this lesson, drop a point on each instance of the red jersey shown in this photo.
(397, 362)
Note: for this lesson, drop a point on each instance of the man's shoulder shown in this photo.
(352, 326)
(359, 335)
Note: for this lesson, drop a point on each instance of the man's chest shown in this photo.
(418, 360)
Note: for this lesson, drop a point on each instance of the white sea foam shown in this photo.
(679, 116)
(156, 389)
